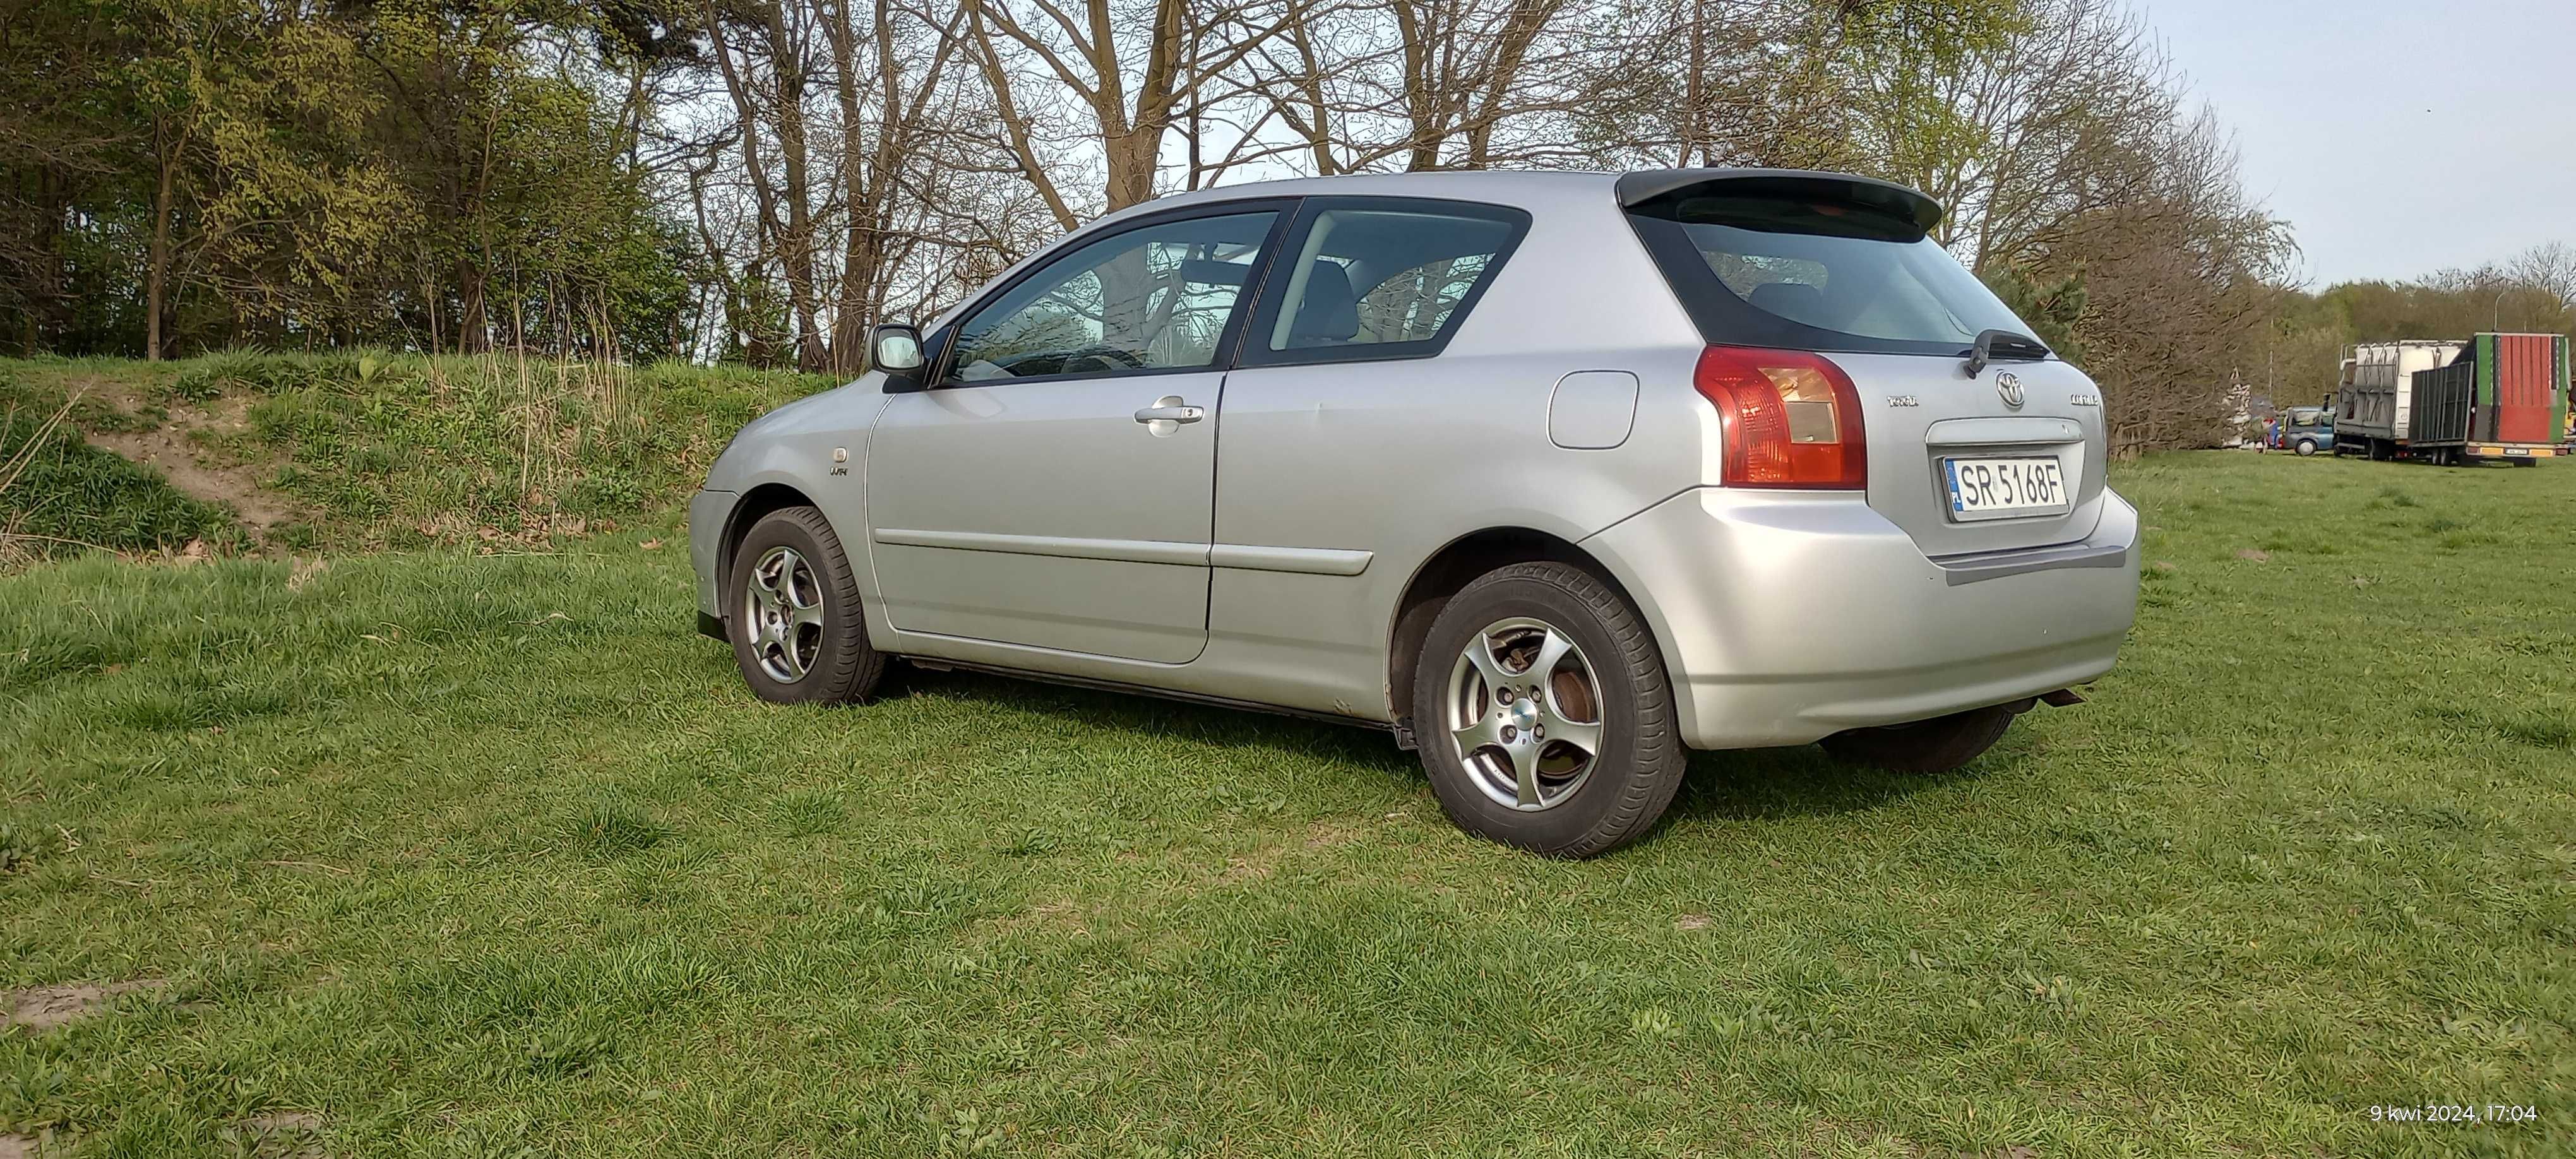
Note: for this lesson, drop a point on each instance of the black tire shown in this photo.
(1637, 766)
(838, 664)
(1938, 745)
(2307, 447)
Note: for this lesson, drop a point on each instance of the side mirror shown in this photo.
(896, 350)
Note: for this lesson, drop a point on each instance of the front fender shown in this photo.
(813, 450)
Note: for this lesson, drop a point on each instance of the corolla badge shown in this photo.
(2008, 384)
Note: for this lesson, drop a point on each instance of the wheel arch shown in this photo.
(1455, 565)
(757, 502)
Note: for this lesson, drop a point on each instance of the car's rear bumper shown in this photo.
(1787, 617)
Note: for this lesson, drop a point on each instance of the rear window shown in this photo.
(1815, 274)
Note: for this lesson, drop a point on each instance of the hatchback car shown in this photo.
(1555, 476)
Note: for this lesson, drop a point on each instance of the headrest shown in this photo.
(1329, 312)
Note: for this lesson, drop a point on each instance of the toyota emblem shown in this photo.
(2008, 384)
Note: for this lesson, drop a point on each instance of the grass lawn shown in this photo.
(441, 854)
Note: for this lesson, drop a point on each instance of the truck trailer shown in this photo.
(2494, 398)
(2374, 401)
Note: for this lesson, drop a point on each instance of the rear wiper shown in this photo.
(2002, 344)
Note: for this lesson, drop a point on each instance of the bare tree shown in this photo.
(764, 49)
(1363, 85)
(1711, 82)
(889, 79)
(2182, 283)
(1130, 69)
(2548, 268)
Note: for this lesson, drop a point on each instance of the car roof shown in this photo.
(1504, 186)
(1541, 189)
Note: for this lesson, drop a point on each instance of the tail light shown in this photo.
(1791, 418)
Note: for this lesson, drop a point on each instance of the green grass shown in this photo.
(468, 855)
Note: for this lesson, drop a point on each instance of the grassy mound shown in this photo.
(60, 495)
(403, 451)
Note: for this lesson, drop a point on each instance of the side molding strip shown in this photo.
(1245, 557)
(1065, 547)
(1306, 560)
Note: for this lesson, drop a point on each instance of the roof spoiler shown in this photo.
(1885, 198)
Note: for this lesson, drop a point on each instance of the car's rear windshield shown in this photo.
(1815, 274)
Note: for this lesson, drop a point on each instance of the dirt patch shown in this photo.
(280, 1135)
(17, 1146)
(42, 1008)
(1061, 916)
(168, 449)
(1258, 867)
(1331, 832)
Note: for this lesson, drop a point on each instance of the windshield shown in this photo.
(1816, 275)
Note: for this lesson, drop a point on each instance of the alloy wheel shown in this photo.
(1523, 709)
(782, 608)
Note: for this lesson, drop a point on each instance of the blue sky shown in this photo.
(2383, 129)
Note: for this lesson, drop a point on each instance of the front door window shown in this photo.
(1157, 297)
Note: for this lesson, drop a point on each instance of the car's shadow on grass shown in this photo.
(1141, 713)
(1743, 785)
(1772, 784)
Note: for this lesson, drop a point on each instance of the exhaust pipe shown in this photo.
(2062, 698)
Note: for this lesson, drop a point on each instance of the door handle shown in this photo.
(1169, 412)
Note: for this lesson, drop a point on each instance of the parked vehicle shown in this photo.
(2496, 397)
(1554, 475)
(2306, 430)
(2504, 399)
(2374, 401)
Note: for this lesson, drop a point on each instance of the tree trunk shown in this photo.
(473, 325)
(156, 280)
(796, 256)
(851, 314)
(1131, 156)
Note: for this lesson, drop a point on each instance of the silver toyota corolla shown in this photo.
(1555, 475)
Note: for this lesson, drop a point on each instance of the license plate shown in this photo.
(2004, 488)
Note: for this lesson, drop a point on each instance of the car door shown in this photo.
(1054, 487)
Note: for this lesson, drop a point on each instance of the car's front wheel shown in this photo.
(1543, 714)
(795, 624)
(1937, 745)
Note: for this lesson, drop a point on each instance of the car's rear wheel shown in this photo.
(1937, 745)
(1543, 713)
(2307, 447)
(795, 624)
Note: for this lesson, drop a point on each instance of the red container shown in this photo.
(2526, 387)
